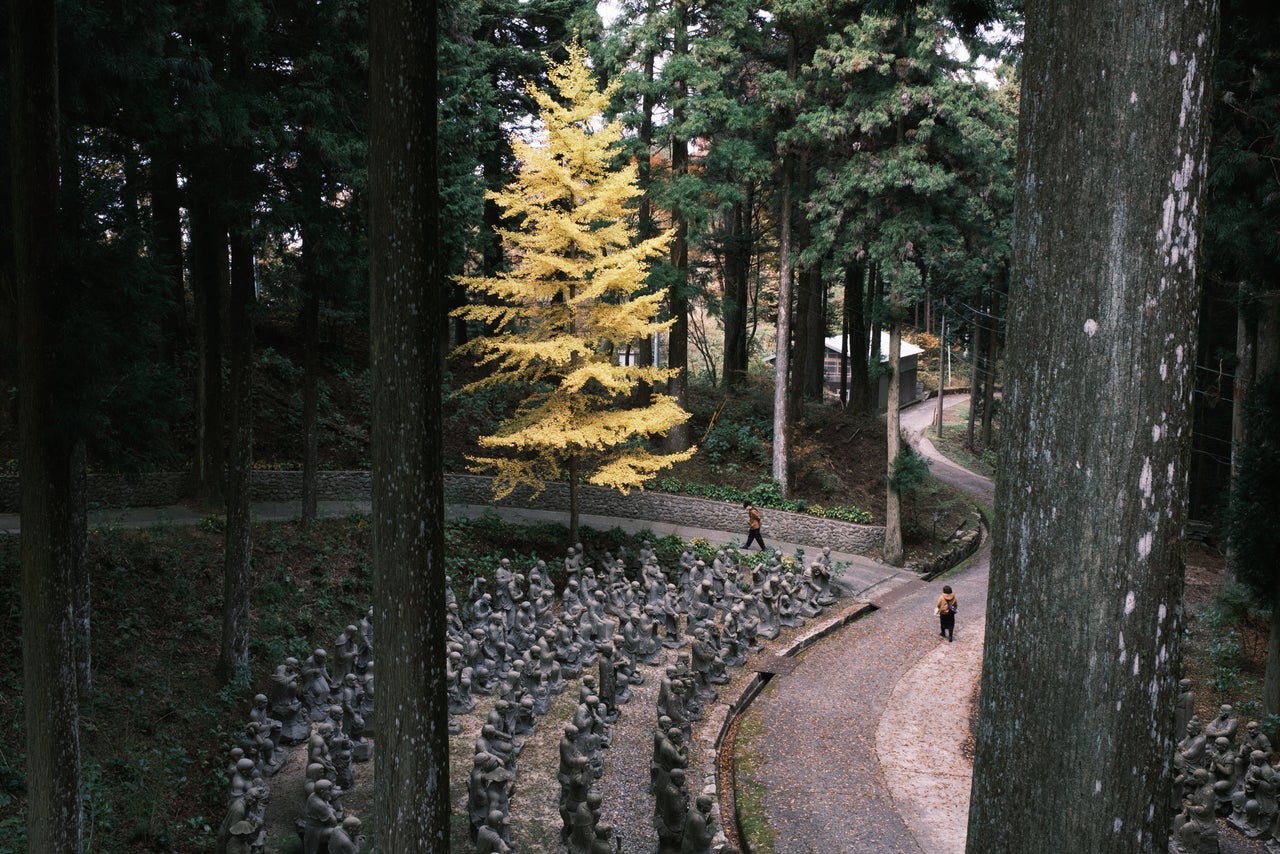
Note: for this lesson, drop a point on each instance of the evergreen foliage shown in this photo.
(570, 303)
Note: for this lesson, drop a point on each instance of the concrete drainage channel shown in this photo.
(765, 667)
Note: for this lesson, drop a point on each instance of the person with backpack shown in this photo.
(753, 526)
(946, 612)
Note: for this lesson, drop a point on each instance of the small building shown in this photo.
(908, 363)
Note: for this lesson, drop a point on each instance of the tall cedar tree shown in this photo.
(51, 526)
(1083, 620)
(569, 306)
(411, 788)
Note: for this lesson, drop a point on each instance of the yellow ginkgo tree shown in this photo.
(573, 298)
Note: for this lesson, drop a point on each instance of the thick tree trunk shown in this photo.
(208, 275)
(1257, 349)
(680, 437)
(573, 500)
(411, 788)
(892, 551)
(975, 382)
(233, 659)
(860, 402)
(942, 375)
(810, 332)
(1264, 361)
(1075, 738)
(782, 347)
(875, 308)
(310, 401)
(166, 238)
(312, 195)
(51, 526)
(643, 349)
(81, 577)
(992, 360)
(737, 270)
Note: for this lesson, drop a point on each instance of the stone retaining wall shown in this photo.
(167, 488)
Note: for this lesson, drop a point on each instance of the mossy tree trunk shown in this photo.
(1082, 650)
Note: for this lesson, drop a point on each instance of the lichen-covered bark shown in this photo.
(46, 458)
(1075, 741)
(407, 319)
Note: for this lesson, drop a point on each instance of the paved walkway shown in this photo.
(861, 745)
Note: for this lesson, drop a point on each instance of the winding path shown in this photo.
(861, 745)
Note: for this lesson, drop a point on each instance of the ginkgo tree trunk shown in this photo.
(571, 301)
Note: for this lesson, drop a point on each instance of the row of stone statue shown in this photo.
(637, 616)
(519, 646)
(332, 712)
(1220, 771)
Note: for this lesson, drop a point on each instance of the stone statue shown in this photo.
(1222, 764)
(582, 833)
(1225, 725)
(316, 684)
(671, 613)
(1254, 804)
(488, 789)
(489, 837)
(241, 779)
(699, 828)
(240, 838)
(625, 677)
(1184, 708)
(318, 751)
(823, 572)
(671, 808)
(608, 683)
(1197, 831)
(1191, 750)
(345, 654)
(365, 660)
(286, 703)
(604, 843)
(670, 753)
(1254, 739)
(346, 838)
(270, 757)
(240, 814)
(319, 819)
(671, 700)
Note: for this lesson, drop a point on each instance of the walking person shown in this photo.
(753, 526)
(946, 611)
